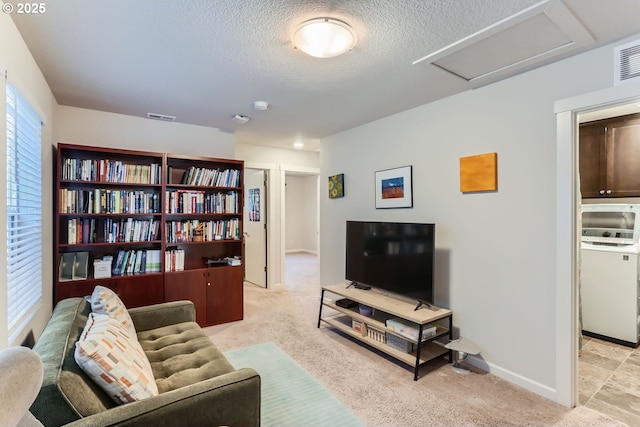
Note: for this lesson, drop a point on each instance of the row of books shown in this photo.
(182, 201)
(104, 201)
(84, 230)
(174, 260)
(106, 170)
(130, 230)
(198, 231)
(211, 177)
(136, 261)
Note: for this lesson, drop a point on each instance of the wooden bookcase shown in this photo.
(203, 219)
(168, 222)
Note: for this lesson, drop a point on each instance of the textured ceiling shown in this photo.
(206, 60)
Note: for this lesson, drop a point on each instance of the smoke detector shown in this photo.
(240, 119)
(260, 105)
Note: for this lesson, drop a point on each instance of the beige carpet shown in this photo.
(379, 391)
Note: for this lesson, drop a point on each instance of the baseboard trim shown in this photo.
(517, 379)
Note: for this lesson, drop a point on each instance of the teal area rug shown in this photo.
(290, 395)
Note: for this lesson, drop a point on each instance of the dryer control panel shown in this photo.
(611, 224)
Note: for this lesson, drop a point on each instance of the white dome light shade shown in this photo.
(324, 37)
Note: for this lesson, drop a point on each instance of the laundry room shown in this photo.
(609, 159)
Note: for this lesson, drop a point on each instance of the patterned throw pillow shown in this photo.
(105, 301)
(117, 363)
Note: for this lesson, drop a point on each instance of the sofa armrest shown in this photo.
(231, 399)
(163, 314)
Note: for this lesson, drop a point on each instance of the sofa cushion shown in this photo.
(105, 301)
(67, 393)
(181, 355)
(115, 360)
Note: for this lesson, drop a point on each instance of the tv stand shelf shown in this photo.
(387, 307)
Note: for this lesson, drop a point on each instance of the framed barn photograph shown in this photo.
(394, 188)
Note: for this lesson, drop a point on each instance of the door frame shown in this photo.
(272, 246)
(567, 232)
(275, 205)
(264, 206)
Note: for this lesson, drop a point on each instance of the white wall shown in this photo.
(23, 72)
(301, 217)
(495, 260)
(98, 128)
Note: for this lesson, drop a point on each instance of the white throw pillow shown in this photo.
(114, 360)
(105, 301)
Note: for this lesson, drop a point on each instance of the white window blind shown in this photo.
(24, 209)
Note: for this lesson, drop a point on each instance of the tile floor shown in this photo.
(610, 379)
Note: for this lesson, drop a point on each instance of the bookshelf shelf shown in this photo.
(113, 201)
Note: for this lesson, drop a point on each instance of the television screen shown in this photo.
(396, 257)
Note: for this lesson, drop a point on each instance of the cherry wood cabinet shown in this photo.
(217, 293)
(609, 157)
(188, 285)
(225, 300)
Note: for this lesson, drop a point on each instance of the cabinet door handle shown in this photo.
(608, 191)
(601, 191)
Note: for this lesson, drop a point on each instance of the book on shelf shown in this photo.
(107, 170)
(209, 177)
(233, 261)
(136, 261)
(196, 230)
(174, 259)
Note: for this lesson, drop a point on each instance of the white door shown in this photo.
(255, 230)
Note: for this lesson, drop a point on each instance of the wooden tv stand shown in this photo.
(387, 307)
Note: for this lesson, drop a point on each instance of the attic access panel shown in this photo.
(540, 32)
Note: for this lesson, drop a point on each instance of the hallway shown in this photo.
(301, 270)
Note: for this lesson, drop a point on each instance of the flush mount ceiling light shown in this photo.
(324, 37)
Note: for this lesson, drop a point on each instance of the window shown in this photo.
(24, 209)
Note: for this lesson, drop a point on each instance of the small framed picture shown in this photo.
(336, 186)
(394, 188)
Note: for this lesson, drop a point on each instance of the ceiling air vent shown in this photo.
(163, 117)
(515, 44)
(627, 62)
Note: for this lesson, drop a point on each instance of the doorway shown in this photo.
(605, 369)
(255, 226)
(567, 228)
(301, 228)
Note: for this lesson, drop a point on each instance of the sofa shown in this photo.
(196, 383)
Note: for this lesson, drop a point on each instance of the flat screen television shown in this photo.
(392, 256)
